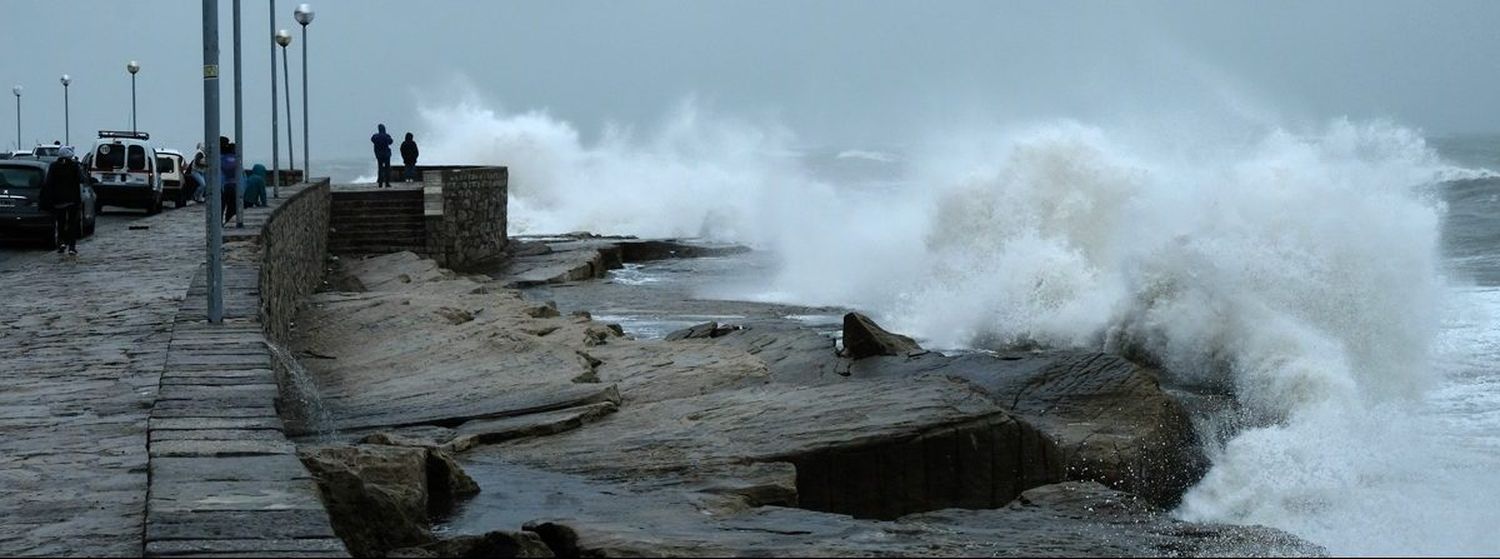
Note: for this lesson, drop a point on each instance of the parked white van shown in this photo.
(123, 171)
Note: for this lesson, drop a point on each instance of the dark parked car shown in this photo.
(21, 217)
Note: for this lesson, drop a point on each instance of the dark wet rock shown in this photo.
(544, 310)
(491, 544)
(792, 355)
(878, 448)
(382, 497)
(702, 331)
(1113, 421)
(864, 338)
(376, 495)
(1075, 519)
(447, 484)
(492, 431)
(698, 331)
(647, 250)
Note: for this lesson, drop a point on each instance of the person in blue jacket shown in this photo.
(229, 171)
(382, 143)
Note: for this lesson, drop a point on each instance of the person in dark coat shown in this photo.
(61, 193)
(229, 170)
(382, 143)
(409, 158)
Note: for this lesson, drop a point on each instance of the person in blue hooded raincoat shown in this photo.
(255, 187)
(382, 143)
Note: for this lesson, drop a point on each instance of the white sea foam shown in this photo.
(1300, 268)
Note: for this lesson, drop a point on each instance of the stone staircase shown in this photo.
(377, 221)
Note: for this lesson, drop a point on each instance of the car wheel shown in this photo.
(155, 207)
(181, 198)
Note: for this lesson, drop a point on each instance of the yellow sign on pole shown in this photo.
(210, 71)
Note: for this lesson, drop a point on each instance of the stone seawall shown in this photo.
(293, 251)
(470, 230)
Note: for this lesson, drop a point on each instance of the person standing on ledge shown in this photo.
(409, 158)
(382, 143)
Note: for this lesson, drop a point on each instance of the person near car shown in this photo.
(409, 158)
(229, 172)
(61, 194)
(382, 143)
(200, 174)
(255, 187)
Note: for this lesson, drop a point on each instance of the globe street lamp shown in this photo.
(239, 126)
(304, 15)
(214, 216)
(284, 38)
(132, 67)
(275, 126)
(17, 90)
(67, 120)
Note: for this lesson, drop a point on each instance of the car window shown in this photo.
(109, 156)
(165, 164)
(20, 177)
(137, 159)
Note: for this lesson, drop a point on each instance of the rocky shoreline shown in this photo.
(456, 417)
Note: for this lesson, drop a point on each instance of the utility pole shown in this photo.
(275, 130)
(211, 145)
(239, 128)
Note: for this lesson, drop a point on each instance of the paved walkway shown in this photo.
(85, 343)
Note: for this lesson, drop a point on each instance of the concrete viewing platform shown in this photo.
(129, 425)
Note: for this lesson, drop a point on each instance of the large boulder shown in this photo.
(1110, 417)
(381, 497)
(864, 338)
(376, 495)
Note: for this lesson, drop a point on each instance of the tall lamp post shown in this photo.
(304, 15)
(67, 118)
(239, 128)
(132, 67)
(212, 217)
(284, 38)
(275, 126)
(17, 90)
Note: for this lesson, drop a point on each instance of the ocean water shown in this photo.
(1342, 277)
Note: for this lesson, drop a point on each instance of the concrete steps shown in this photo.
(377, 222)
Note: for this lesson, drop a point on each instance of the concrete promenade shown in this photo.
(119, 403)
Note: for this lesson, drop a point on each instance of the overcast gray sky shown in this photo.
(838, 73)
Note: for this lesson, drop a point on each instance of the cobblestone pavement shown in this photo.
(85, 341)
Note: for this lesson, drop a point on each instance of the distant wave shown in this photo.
(866, 154)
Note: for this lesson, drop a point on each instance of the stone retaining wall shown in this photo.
(466, 216)
(293, 251)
